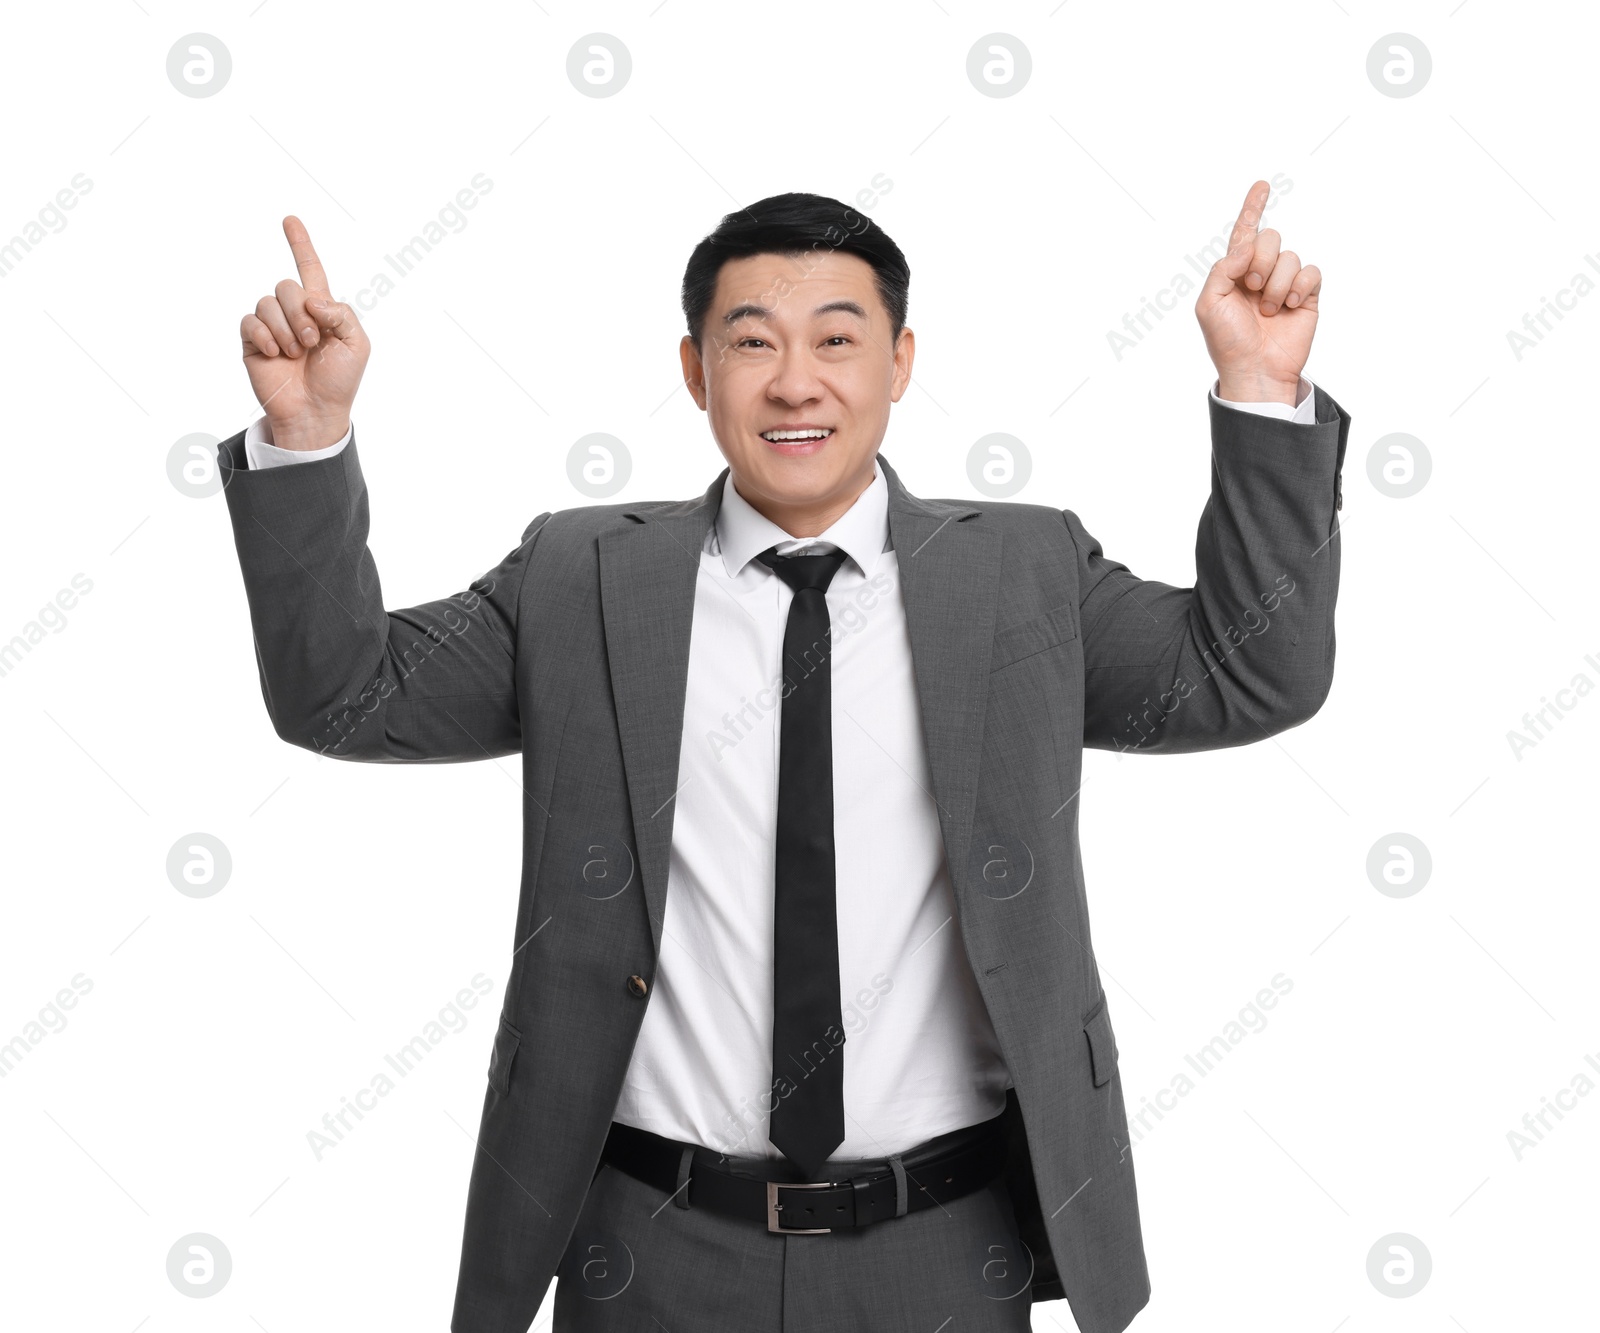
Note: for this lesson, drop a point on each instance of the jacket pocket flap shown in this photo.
(1102, 1044)
(1033, 635)
(506, 1041)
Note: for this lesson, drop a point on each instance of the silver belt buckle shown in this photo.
(773, 1208)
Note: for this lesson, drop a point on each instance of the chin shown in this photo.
(798, 479)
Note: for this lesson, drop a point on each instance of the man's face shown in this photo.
(795, 342)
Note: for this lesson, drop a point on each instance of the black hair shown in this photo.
(795, 224)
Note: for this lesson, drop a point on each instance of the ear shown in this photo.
(694, 371)
(905, 352)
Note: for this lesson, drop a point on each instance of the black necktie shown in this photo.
(807, 1026)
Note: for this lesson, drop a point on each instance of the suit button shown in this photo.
(638, 986)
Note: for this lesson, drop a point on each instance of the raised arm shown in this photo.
(341, 675)
(1249, 650)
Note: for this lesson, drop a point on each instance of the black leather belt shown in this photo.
(937, 1171)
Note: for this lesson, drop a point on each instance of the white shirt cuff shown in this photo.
(260, 452)
(1303, 413)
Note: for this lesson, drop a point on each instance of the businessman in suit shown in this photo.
(804, 1028)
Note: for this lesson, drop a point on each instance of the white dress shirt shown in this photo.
(921, 1057)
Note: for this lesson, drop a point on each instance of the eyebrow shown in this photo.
(749, 308)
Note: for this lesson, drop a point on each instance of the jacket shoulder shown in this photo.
(1005, 511)
(1011, 516)
(583, 524)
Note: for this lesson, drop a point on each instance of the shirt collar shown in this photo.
(861, 532)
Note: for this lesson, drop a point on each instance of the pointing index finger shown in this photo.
(1255, 204)
(312, 278)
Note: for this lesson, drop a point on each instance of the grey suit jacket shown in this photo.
(1028, 644)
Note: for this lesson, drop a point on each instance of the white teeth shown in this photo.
(777, 435)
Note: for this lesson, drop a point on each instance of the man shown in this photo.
(804, 1028)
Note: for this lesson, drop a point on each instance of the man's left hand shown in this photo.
(1258, 311)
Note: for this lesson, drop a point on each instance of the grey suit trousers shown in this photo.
(639, 1262)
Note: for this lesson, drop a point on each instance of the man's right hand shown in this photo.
(304, 353)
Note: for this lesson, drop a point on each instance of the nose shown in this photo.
(794, 378)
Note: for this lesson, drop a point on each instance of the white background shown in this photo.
(218, 1031)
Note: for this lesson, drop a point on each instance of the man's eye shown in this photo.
(743, 341)
(837, 338)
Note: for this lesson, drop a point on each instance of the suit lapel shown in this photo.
(647, 585)
(949, 564)
(949, 576)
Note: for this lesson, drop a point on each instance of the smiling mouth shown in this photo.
(809, 435)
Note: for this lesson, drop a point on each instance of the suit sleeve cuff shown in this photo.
(260, 452)
(1303, 413)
